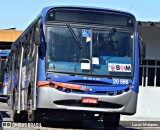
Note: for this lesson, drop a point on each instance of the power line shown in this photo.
(133, 5)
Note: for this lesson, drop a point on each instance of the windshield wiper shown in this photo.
(111, 32)
(75, 36)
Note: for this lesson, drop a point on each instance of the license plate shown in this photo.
(90, 100)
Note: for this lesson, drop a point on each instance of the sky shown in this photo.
(20, 13)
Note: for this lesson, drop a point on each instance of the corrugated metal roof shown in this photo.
(148, 23)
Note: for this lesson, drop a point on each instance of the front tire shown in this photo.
(111, 120)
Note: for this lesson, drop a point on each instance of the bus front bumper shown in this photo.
(50, 98)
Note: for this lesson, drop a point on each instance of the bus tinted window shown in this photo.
(90, 17)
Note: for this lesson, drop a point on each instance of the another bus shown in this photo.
(3, 78)
(73, 63)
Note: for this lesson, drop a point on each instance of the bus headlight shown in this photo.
(127, 89)
(119, 92)
(59, 88)
(68, 90)
(111, 93)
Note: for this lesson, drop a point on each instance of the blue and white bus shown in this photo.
(72, 63)
(3, 78)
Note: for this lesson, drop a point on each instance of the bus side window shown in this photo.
(10, 63)
(24, 55)
(32, 45)
(7, 68)
(15, 61)
(1, 80)
(17, 57)
(28, 48)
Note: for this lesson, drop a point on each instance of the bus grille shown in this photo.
(78, 103)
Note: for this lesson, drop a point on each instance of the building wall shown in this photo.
(150, 67)
(9, 35)
(151, 37)
(149, 76)
(147, 107)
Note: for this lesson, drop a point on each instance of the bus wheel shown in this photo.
(32, 115)
(111, 120)
(19, 117)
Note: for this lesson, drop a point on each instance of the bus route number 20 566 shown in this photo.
(120, 81)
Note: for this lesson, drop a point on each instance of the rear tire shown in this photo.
(18, 117)
(33, 115)
(21, 117)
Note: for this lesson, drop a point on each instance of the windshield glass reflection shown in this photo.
(102, 52)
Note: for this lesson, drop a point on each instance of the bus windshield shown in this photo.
(93, 51)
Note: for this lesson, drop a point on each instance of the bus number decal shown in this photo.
(123, 81)
(115, 81)
(120, 81)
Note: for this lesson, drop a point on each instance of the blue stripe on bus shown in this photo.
(136, 70)
(41, 71)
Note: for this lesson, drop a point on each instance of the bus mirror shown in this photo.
(38, 33)
(142, 49)
(37, 36)
(40, 23)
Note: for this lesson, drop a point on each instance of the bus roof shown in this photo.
(46, 9)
